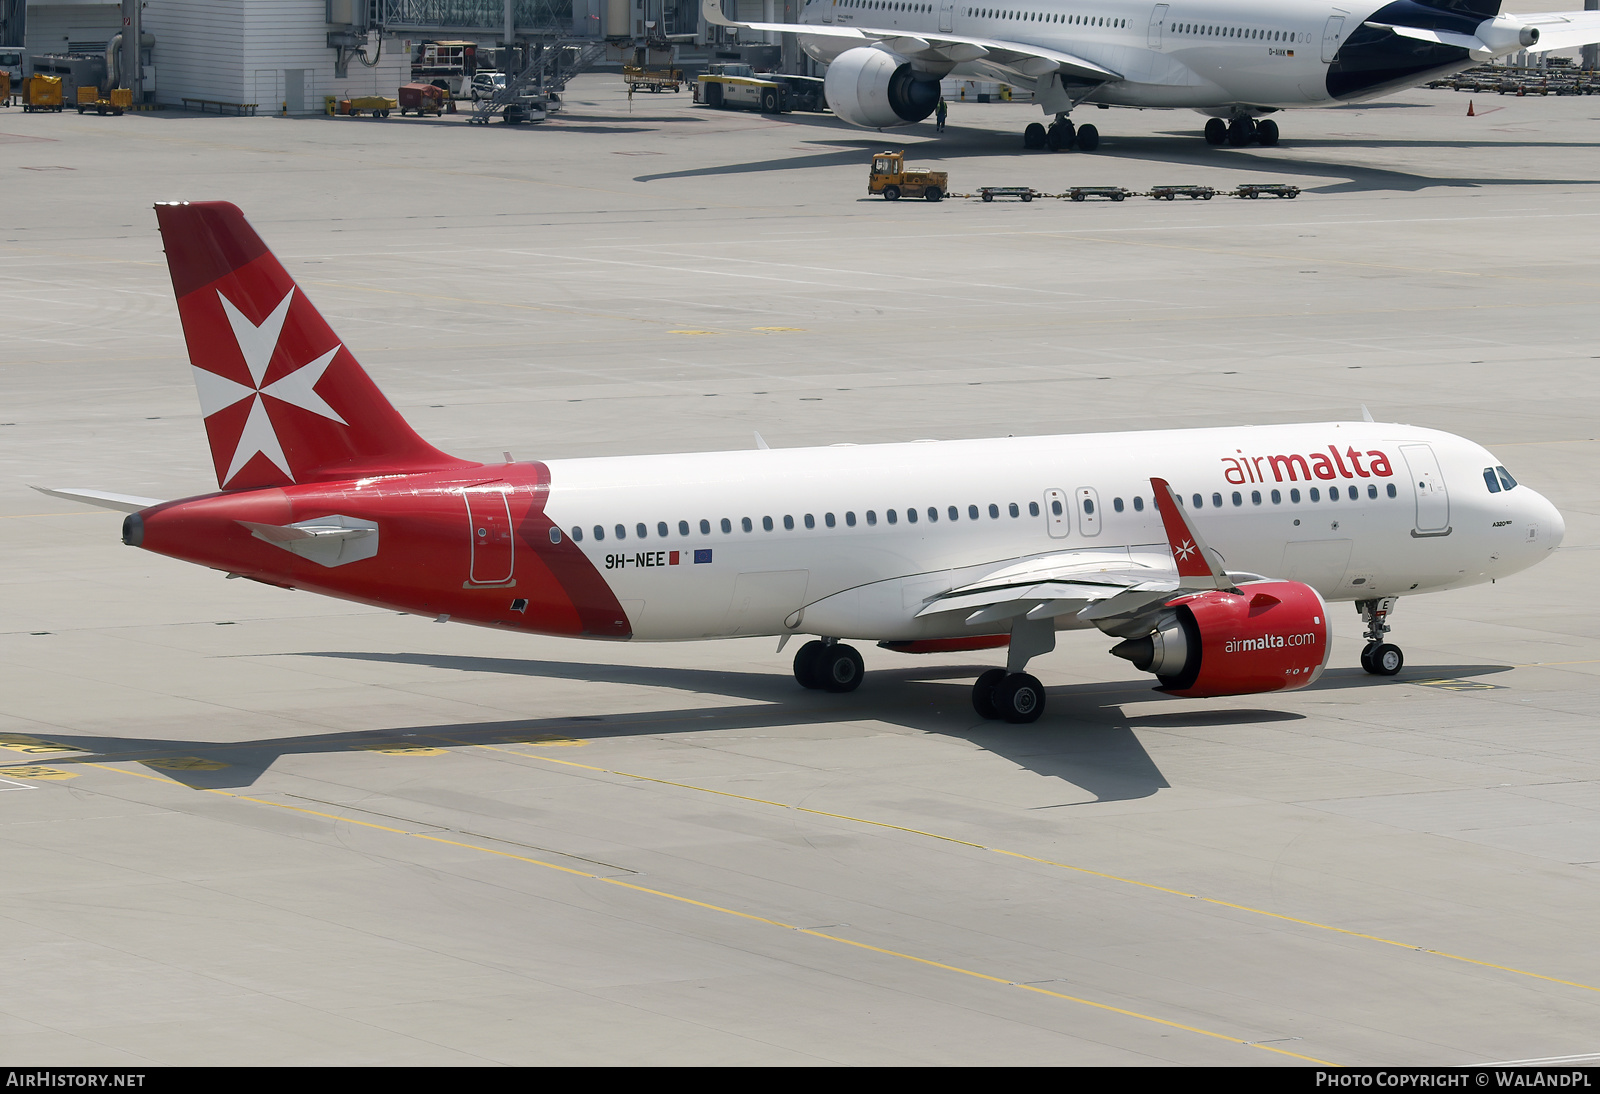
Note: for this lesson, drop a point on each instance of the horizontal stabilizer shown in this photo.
(123, 503)
(327, 541)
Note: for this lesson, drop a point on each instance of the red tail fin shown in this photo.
(283, 400)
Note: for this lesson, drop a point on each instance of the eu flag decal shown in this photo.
(702, 554)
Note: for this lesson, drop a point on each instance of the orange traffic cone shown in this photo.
(1470, 112)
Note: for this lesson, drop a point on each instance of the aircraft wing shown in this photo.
(1562, 29)
(1119, 592)
(1027, 60)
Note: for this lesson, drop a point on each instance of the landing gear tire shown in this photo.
(1216, 131)
(983, 693)
(1019, 698)
(1060, 136)
(1267, 133)
(839, 668)
(1088, 138)
(1241, 132)
(891, 193)
(1033, 137)
(1383, 659)
(805, 664)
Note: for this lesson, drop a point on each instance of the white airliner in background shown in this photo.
(1235, 60)
(1159, 539)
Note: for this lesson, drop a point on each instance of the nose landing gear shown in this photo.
(1379, 657)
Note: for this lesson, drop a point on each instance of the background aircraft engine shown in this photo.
(879, 90)
(1271, 636)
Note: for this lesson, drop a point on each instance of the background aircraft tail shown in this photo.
(283, 400)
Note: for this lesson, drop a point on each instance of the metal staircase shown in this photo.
(539, 86)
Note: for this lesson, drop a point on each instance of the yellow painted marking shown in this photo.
(37, 773)
(1068, 866)
(747, 916)
(33, 746)
(402, 750)
(1458, 685)
(692, 332)
(551, 739)
(186, 763)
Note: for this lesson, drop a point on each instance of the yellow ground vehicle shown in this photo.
(736, 86)
(89, 98)
(40, 92)
(376, 105)
(653, 80)
(890, 178)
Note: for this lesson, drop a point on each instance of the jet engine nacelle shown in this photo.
(1504, 35)
(879, 90)
(1269, 636)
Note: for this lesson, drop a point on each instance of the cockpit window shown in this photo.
(1490, 481)
(1505, 478)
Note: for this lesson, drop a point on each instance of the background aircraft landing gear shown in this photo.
(1241, 131)
(828, 665)
(1061, 136)
(1379, 657)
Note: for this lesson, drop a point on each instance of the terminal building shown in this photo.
(291, 56)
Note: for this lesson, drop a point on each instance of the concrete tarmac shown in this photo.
(244, 825)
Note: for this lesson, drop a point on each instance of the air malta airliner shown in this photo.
(1209, 555)
(1236, 60)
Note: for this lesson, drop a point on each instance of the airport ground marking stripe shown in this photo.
(1076, 869)
(748, 916)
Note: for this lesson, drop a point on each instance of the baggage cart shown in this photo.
(1021, 193)
(1110, 193)
(41, 92)
(1269, 189)
(1194, 193)
(423, 98)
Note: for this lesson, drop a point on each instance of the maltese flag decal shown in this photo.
(256, 344)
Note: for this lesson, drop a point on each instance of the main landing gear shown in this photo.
(1061, 135)
(828, 665)
(1241, 131)
(1009, 693)
(1379, 657)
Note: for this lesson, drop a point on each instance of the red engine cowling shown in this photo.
(1270, 636)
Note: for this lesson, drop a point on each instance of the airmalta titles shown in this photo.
(1333, 464)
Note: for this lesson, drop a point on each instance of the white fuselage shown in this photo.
(821, 540)
(1200, 54)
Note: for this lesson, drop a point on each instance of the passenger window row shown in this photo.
(954, 513)
(931, 514)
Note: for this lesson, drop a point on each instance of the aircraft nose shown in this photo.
(1556, 526)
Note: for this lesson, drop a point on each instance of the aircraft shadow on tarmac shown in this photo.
(1180, 149)
(1087, 739)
